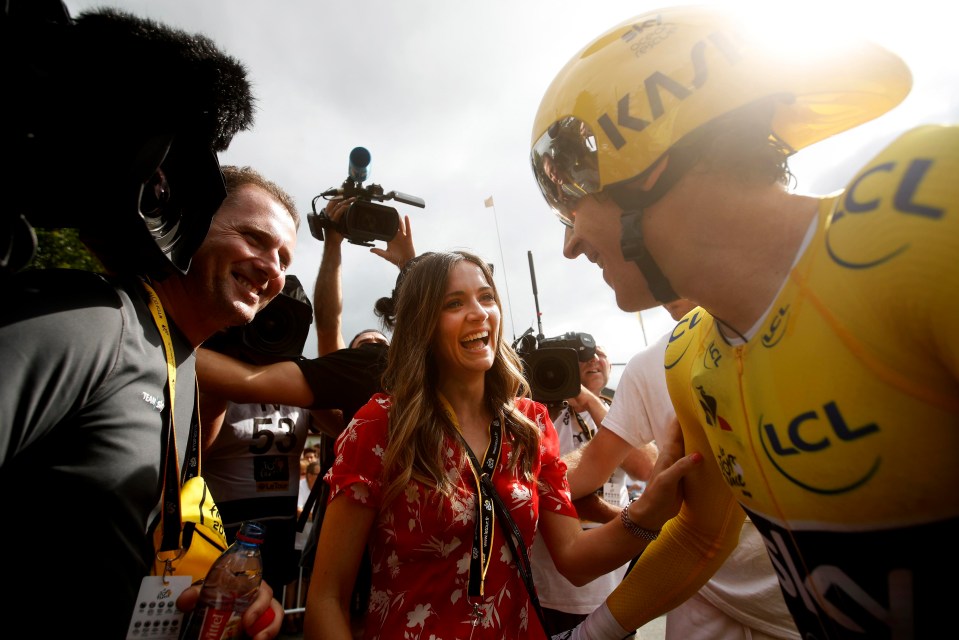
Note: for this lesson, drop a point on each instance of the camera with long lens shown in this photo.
(278, 332)
(551, 365)
(582, 343)
(365, 220)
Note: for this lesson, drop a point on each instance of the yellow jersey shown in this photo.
(835, 425)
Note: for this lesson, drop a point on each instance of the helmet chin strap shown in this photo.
(634, 248)
(633, 202)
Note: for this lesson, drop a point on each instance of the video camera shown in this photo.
(278, 332)
(582, 343)
(138, 179)
(365, 220)
(551, 365)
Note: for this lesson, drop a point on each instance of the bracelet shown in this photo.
(636, 530)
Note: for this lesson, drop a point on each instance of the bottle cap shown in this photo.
(251, 531)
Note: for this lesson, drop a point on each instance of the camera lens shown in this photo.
(280, 329)
(553, 374)
(271, 329)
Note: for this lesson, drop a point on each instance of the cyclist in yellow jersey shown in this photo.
(821, 370)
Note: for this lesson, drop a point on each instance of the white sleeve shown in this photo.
(641, 406)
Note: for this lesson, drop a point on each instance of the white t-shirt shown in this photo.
(255, 460)
(304, 494)
(641, 408)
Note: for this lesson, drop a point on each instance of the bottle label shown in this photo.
(216, 624)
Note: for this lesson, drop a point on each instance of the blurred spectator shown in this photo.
(306, 484)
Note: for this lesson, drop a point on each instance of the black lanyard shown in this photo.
(484, 512)
(489, 503)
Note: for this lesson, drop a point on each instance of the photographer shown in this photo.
(328, 290)
(89, 390)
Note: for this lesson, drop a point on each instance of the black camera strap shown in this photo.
(587, 433)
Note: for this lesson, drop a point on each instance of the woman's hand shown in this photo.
(663, 495)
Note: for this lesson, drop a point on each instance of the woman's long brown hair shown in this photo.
(417, 423)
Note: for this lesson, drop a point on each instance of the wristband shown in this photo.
(634, 529)
(265, 619)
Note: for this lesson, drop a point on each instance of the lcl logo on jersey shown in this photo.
(776, 328)
(869, 193)
(680, 339)
(823, 432)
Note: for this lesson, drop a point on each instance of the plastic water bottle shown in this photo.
(229, 588)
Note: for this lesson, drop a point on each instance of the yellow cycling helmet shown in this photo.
(621, 102)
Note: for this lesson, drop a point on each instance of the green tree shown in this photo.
(62, 248)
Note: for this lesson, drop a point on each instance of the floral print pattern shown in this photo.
(420, 545)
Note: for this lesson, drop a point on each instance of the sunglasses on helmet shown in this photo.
(565, 165)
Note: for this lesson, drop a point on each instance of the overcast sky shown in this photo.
(443, 94)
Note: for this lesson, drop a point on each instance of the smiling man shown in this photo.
(99, 369)
(85, 390)
(820, 373)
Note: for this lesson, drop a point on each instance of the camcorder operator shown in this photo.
(365, 221)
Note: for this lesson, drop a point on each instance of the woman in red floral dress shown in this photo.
(404, 485)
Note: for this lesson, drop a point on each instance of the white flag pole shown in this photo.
(490, 204)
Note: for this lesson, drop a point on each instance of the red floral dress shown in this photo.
(420, 546)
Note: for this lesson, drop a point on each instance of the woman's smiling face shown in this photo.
(466, 335)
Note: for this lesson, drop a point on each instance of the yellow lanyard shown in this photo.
(159, 317)
(170, 514)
